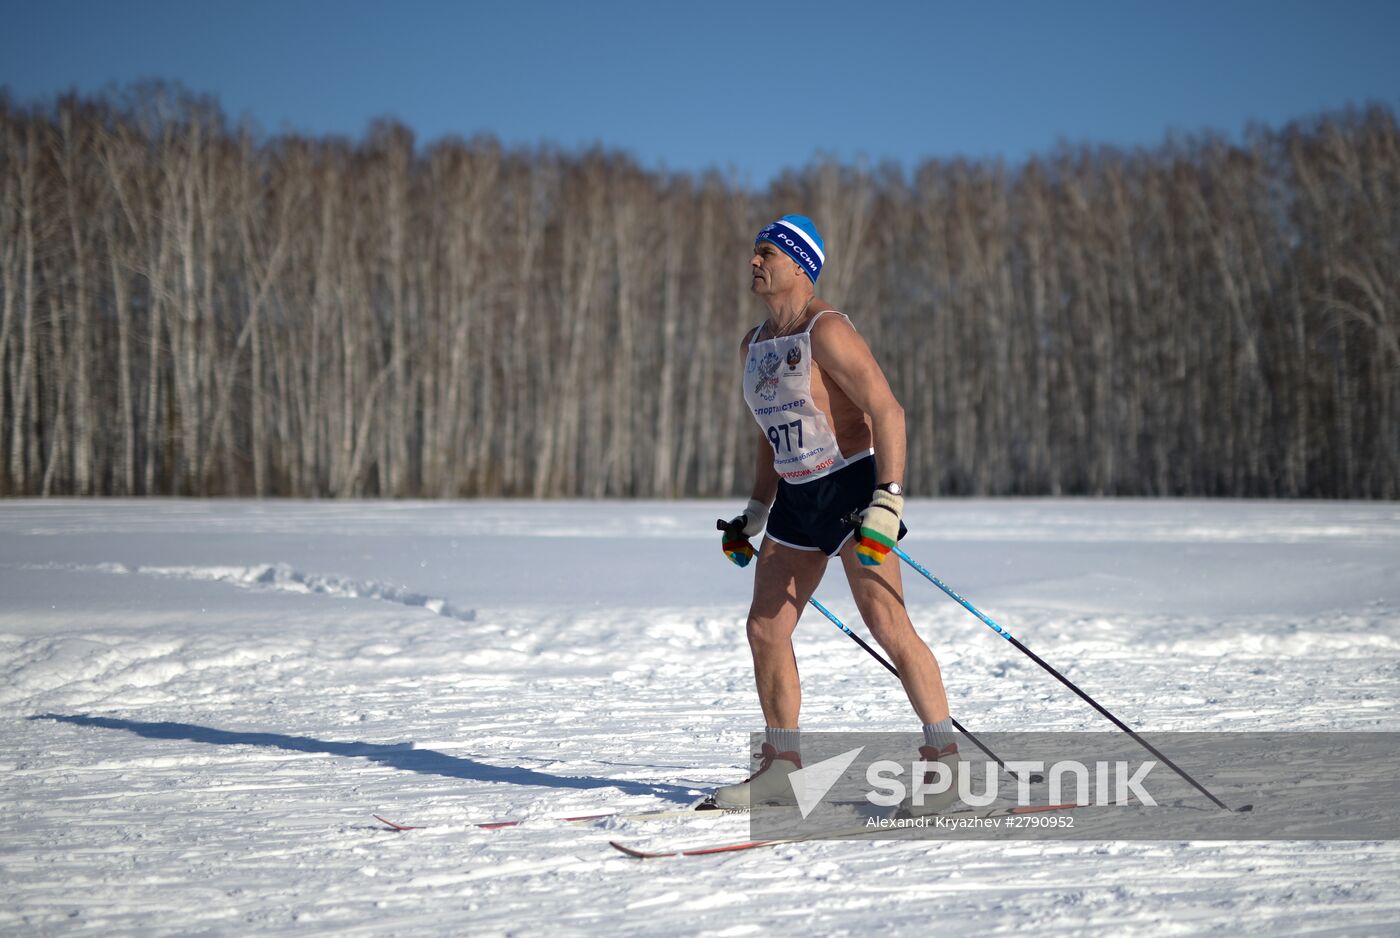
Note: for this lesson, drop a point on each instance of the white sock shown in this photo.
(783, 740)
(940, 734)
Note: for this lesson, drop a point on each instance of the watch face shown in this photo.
(894, 488)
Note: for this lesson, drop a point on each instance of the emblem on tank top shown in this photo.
(767, 385)
(796, 367)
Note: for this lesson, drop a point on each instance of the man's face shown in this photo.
(773, 271)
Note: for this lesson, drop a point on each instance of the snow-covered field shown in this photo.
(203, 703)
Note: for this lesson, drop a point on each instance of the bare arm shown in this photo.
(765, 484)
(842, 353)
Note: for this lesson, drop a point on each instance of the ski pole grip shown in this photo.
(852, 521)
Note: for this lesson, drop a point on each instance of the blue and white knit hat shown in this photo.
(797, 237)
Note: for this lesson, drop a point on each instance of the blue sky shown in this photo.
(749, 88)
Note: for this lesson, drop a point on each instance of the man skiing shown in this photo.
(831, 441)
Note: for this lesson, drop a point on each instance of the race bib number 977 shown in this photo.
(786, 436)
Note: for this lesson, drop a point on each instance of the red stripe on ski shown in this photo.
(698, 851)
(497, 825)
(1037, 808)
(491, 825)
(395, 824)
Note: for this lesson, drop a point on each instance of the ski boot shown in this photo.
(934, 803)
(769, 785)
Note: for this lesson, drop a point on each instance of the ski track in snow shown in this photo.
(195, 738)
(275, 576)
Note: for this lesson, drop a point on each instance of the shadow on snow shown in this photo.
(399, 756)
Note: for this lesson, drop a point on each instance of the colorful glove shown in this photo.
(879, 528)
(736, 536)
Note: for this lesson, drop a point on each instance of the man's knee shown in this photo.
(765, 632)
(891, 626)
(880, 607)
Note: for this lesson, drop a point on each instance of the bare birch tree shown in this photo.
(187, 308)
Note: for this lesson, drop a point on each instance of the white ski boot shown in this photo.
(935, 803)
(769, 785)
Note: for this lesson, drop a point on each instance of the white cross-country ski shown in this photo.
(705, 808)
(863, 830)
(702, 808)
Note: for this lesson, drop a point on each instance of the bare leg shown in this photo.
(784, 581)
(879, 595)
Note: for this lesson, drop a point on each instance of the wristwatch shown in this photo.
(894, 488)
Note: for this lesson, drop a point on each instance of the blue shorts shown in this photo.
(811, 516)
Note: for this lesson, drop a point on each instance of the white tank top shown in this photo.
(778, 390)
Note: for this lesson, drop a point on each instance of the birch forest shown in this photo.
(188, 307)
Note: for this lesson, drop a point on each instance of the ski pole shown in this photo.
(854, 520)
(1034, 779)
(724, 526)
